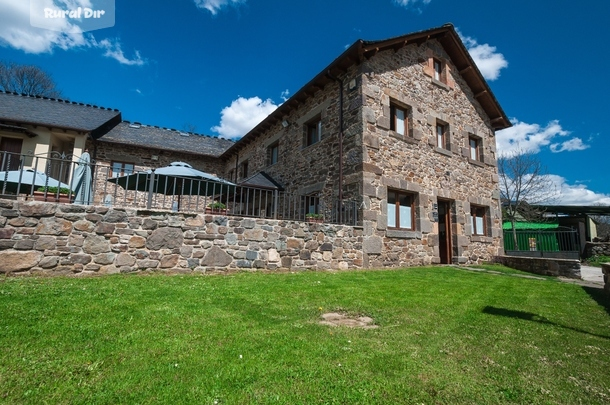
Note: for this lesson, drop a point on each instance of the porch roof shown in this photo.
(56, 113)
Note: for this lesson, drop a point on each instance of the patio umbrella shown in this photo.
(82, 181)
(178, 178)
(22, 181)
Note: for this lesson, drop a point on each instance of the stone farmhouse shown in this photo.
(404, 127)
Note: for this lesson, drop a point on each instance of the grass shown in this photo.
(597, 260)
(445, 336)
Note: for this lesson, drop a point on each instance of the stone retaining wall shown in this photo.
(597, 249)
(61, 239)
(543, 266)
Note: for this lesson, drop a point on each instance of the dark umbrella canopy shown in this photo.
(178, 178)
(23, 181)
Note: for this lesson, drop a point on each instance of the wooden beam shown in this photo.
(466, 69)
(400, 45)
(481, 93)
(369, 53)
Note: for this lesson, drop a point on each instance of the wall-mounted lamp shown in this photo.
(285, 124)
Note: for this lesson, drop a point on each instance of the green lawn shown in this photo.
(445, 336)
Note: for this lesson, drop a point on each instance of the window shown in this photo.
(314, 132)
(121, 169)
(244, 169)
(441, 135)
(478, 220)
(310, 204)
(273, 152)
(231, 174)
(475, 148)
(399, 119)
(401, 210)
(438, 70)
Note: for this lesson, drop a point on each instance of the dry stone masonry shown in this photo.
(57, 239)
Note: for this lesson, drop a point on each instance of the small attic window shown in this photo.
(184, 133)
(135, 125)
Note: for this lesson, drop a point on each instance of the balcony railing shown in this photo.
(183, 194)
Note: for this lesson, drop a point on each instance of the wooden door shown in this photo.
(444, 231)
(10, 153)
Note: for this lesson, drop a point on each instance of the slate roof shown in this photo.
(56, 113)
(261, 180)
(137, 134)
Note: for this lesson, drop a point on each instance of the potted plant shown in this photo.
(313, 217)
(49, 193)
(216, 208)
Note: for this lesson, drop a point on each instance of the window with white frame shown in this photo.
(273, 152)
(478, 220)
(121, 169)
(399, 119)
(313, 131)
(401, 210)
(442, 135)
(474, 145)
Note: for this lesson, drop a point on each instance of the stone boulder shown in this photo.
(54, 226)
(94, 245)
(37, 209)
(165, 238)
(216, 257)
(19, 261)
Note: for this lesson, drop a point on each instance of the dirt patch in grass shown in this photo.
(336, 319)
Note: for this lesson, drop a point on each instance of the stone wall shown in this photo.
(606, 271)
(62, 239)
(543, 266)
(414, 163)
(313, 169)
(597, 249)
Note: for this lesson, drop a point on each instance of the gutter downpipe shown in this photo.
(340, 206)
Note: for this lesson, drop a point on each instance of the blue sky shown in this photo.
(221, 66)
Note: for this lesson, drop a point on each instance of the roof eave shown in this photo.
(351, 55)
(361, 50)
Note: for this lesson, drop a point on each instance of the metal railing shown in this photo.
(562, 242)
(147, 190)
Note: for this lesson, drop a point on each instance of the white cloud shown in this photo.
(576, 194)
(285, 94)
(533, 137)
(407, 3)
(242, 115)
(114, 51)
(214, 6)
(485, 56)
(569, 146)
(16, 31)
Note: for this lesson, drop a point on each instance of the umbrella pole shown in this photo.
(150, 189)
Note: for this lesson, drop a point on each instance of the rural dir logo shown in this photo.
(72, 15)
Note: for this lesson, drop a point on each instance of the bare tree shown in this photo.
(189, 127)
(524, 183)
(27, 79)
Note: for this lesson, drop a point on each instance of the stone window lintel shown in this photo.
(395, 233)
(476, 162)
(443, 151)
